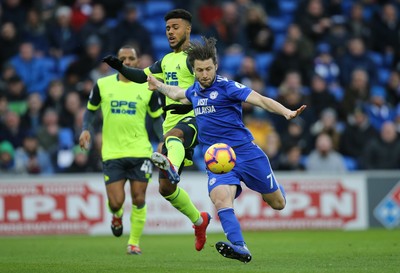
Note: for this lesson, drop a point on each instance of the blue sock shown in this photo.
(282, 191)
(231, 226)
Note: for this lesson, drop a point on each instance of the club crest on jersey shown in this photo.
(213, 95)
(239, 85)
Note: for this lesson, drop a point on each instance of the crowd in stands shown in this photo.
(340, 57)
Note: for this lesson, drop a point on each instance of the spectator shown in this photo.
(320, 97)
(206, 14)
(337, 37)
(13, 11)
(324, 158)
(358, 26)
(63, 39)
(378, 110)
(356, 57)
(16, 94)
(101, 70)
(291, 159)
(328, 124)
(34, 71)
(81, 11)
(35, 32)
(383, 153)
(356, 93)
(96, 26)
(356, 134)
(80, 68)
(385, 32)
(393, 89)
(80, 162)
(305, 45)
(247, 71)
(9, 42)
(130, 30)
(32, 118)
(291, 94)
(7, 164)
(289, 59)
(229, 30)
(325, 66)
(259, 35)
(314, 22)
(296, 135)
(48, 133)
(55, 93)
(4, 108)
(12, 131)
(72, 104)
(31, 158)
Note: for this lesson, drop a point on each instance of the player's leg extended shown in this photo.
(222, 196)
(116, 198)
(138, 215)
(276, 199)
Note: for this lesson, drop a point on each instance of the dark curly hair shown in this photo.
(204, 50)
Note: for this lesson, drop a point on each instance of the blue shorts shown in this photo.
(252, 168)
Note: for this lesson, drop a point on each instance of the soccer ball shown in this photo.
(220, 158)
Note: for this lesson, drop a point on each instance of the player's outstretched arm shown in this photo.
(173, 92)
(273, 106)
(131, 73)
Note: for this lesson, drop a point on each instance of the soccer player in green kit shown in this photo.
(126, 149)
(180, 130)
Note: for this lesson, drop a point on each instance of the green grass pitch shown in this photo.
(375, 250)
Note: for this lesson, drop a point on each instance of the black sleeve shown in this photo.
(134, 74)
(94, 97)
(155, 102)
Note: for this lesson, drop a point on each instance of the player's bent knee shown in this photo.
(278, 204)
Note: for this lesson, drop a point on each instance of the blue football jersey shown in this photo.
(218, 111)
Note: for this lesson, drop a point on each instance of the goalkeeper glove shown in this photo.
(113, 62)
(179, 109)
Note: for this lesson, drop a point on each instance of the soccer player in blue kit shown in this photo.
(217, 105)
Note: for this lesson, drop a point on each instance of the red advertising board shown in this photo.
(49, 208)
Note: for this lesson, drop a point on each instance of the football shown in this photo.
(220, 158)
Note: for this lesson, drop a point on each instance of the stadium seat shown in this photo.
(263, 61)
(383, 75)
(279, 41)
(377, 58)
(350, 163)
(278, 24)
(231, 63)
(160, 45)
(287, 6)
(155, 25)
(271, 92)
(158, 8)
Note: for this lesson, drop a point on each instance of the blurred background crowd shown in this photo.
(340, 57)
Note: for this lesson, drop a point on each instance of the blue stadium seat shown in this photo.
(271, 92)
(155, 25)
(383, 75)
(350, 163)
(263, 61)
(158, 8)
(160, 45)
(279, 41)
(231, 63)
(278, 24)
(377, 58)
(288, 6)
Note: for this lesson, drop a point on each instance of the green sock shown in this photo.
(181, 201)
(138, 220)
(176, 151)
(118, 213)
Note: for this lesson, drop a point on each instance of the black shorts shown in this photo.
(139, 169)
(188, 126)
